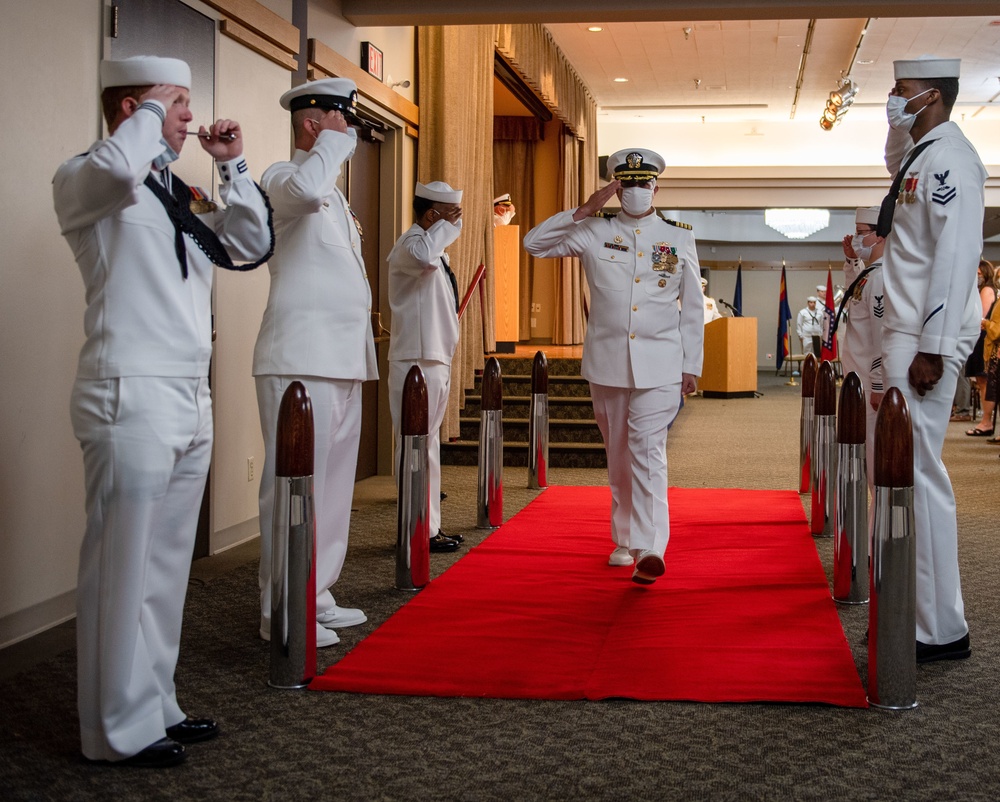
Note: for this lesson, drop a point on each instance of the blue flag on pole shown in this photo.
(783, 350)
(738, 292)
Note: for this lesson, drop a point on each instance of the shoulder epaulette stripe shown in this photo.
(679, 224)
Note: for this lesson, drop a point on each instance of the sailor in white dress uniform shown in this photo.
(316, 330)
(644, 342)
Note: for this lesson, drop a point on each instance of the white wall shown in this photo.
(50, 65)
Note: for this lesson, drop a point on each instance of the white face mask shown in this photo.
(895, 110)
(863, 252)
(636, 201)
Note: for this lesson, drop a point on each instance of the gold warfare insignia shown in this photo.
(662, 282)
(664, 257)
(634, 161)
(618, 240)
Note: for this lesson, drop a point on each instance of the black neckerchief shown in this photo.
(888, 208)
(850, 291)
(454, 282)
(177, 204)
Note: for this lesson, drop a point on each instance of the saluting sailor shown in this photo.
(423, 296)
(859, 320)
(316, 330)
(643, 349)
(141, 405)
(934, 239)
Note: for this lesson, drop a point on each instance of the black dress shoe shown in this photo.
(441, 543)
(193, 730)
(443, 495)
(956, 650)
(160, 755)
(456, 538)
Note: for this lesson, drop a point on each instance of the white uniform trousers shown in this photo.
(940, 609)
(437, 376)
(336, 408)
(147, 445)
(634, 424)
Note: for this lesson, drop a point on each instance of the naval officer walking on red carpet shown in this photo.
(643, 349)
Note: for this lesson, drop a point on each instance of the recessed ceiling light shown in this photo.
(595, 29)
(621, 80)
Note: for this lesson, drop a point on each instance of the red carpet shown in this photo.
(743, 612)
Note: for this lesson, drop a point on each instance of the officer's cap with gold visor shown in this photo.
(635, 164)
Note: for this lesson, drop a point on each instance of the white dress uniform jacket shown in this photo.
(861, 328)
(421, 295)
(932, 306)
(809, 324)
(424, 333)
(318, 316)
(316, 329)
(711, 310)
(637, 335)
(141, 410)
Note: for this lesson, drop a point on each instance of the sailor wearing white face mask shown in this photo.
(643, 350)
(934, 238)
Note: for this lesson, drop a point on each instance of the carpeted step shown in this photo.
(515, 430)
(560, 407)
(561, 455)
(520, 385)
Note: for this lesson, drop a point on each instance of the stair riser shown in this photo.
(518, 408)
(521, 386)
(518, 458)
(518, 432)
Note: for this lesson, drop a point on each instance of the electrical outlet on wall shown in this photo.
(249, 469)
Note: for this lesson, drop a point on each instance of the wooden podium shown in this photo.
(730, 366)
(506, 286)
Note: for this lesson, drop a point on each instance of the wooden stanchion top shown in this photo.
(413, 416)
(893, 442)
(826, 390)
(540, 374)
(492, 386)
(295, 441)
(808, 376)
(851, 412)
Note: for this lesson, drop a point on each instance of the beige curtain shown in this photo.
(531, 50)
(456, 145)
(514, 172)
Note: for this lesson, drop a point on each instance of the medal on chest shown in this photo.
(357, 224)
(909, 193)
(200, 202)
(856, 295)
(664, 257)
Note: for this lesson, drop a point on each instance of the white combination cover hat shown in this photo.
(328, 94)
(145, 71)
(927, 67)
(439, 192)
(635, 163)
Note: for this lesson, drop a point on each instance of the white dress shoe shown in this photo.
(324, 637)
(648, 566)
(620, 556)
(336, 617)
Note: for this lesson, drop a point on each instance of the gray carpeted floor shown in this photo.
(316, 746)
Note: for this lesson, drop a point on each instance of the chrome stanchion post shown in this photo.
(538, 425)
(490, 493)
(806, 422)
(413, 558)
(293, 547)
(824, 450)
(850, 536)
(892, 614)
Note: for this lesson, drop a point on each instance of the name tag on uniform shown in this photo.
(616, 246)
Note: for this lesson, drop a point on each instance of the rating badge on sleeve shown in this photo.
(664, 257)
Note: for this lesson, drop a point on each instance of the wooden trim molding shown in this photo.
(327, 62)
(257, 43)
(260, 29)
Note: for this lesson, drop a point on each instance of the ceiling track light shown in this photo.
(837, 104)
